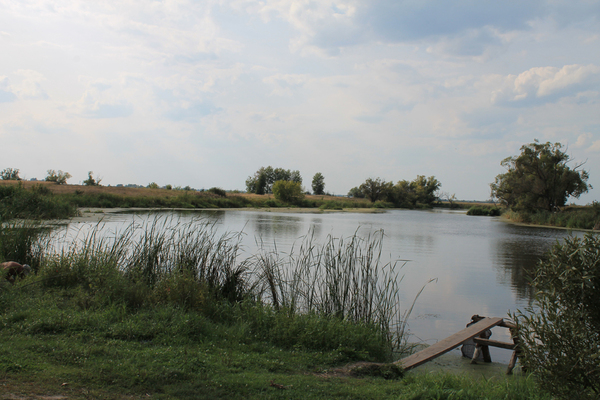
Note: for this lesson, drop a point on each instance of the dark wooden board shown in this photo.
(448, 344)
(495, 343)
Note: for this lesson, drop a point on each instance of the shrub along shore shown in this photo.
(173, 313)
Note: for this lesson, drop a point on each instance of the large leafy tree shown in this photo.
(375, 189)
(539, 178)
(421, 190)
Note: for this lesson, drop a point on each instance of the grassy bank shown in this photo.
(34, 201)
(72, 196)
(173, 313)
(576, 217)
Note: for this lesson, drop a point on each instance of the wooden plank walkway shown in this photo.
(448, 344)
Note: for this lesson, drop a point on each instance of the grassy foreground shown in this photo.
(172, 313)
(52, 345)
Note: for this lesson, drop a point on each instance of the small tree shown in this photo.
(10, 174)
(450, 198)
(154, 185)
(288, 191)
(59, 177)
(560, 333)
(318, 183)
(90, 181)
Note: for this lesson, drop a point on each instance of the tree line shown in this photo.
(263, 181)
(58, 177)
(421, 191)
(286, 185)
(537, 179)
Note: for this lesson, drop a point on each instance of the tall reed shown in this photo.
(342, 278)
(147, 255)
(192, 266)
(23, 242)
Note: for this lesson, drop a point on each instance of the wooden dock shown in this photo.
(454, 341)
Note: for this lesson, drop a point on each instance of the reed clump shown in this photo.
(333, 295)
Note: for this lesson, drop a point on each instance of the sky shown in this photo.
(204, 93)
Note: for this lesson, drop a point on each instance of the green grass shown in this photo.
(48, 338)
(172, 313)
(16, 202)
(571, 217)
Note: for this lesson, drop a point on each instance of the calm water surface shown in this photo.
(479, 263)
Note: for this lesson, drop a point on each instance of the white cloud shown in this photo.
(546, 84)
(103, 99)
(568, 76)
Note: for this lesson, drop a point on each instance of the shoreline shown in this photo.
(508, 220)
(91, 214)
(96, 214)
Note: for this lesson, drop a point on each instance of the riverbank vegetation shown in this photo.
(173, 313)
(62, 201)
(575, 217)
(38, 202)
(560, 331)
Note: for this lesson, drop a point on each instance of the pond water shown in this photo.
(479, 264)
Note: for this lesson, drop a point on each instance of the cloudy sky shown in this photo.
(203, 93)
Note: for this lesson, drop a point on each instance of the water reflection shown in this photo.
(517, 252)
(272, 226)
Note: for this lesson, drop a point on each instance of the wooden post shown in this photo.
(476, 354)
(515, 354)
(485, 349)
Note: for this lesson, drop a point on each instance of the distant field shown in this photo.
(145, 192)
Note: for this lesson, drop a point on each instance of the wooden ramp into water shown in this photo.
(448, 344)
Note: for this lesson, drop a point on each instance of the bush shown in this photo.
(38, 203)
(288, 191)
(486, 211)
(560, 332)
(59, 177)
(218, 191)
